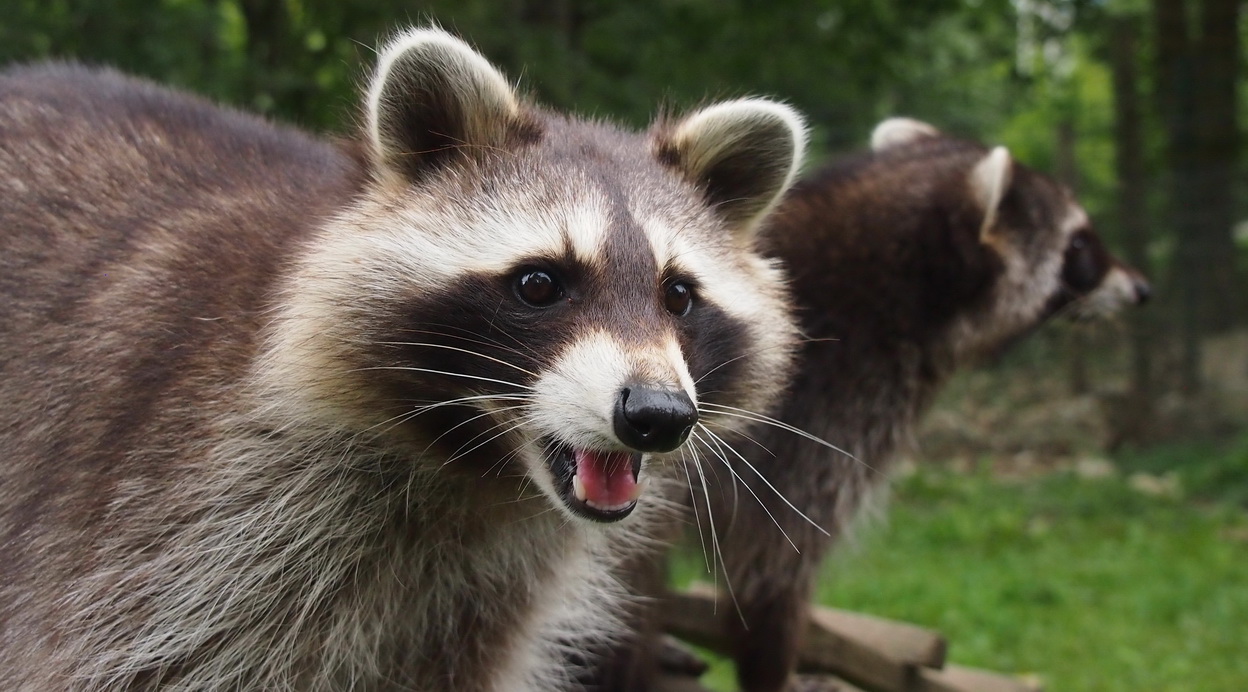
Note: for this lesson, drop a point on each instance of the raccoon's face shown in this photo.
(526, 296)
(1092, 282)
(1046, 258)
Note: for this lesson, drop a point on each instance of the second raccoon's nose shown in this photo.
(1142, 290)
(653, 420)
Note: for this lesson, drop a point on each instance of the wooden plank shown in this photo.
(695, 616)
(804, 683)
(962, 679)
(874, 653)
(821, 683)
(900, 641)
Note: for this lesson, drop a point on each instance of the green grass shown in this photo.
(1209, 470)
(1087, 583)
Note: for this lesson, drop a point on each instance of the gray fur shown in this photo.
(222, 471)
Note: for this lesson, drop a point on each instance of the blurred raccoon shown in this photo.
(281, 415)
(907, 262)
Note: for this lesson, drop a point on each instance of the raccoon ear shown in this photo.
(743, 155)
(989, 181)
(433, 99)
(895, 132)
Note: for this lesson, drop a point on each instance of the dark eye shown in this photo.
(538, 288)
(678, 298)
(1083, 265)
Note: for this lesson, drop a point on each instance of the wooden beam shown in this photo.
(963, 679)
(872, 652)
(900, 641)
(805, 683)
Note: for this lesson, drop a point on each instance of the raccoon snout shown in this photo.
(653, 420)
(1143, 291)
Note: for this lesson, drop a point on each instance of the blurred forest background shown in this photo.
(1106, 462)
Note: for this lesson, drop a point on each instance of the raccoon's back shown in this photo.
(141, 233)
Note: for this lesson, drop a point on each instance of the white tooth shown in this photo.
(639, 489)
(578, 488)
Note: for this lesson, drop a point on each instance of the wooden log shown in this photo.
(900, 641)
(805, 683)
(962, 679)
(875, 653)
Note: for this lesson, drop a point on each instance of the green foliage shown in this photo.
(845, 62)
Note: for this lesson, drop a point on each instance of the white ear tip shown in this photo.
(412, 38)
(760, 111)
(895, 132)
(417, 55)
(753, 109)
(990, 179)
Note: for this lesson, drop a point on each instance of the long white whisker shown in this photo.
(706, 557)
(475, 338)
(760, 418)
(407, 368)
(457, 455)
(763, 478)
(715, 535)
(408, 415)
(720, 441)
(755, 351)
(466, 422)
(461, 350)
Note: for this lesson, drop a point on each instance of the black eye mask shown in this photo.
(1084, 263)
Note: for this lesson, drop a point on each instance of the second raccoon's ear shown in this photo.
(989, 181)
(433, 99)
(742, 154)
(895, 132)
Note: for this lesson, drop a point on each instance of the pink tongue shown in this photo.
(607, 477)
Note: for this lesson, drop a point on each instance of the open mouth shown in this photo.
(596, 484)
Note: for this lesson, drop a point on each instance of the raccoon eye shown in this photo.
(538, 288)
(1082, 268)
(678, 298)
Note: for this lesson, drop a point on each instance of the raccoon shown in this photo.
(282, 414)
(907, 262)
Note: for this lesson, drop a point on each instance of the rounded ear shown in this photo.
(743, 155)
(989, 180)
(432, 99)
(895, 132)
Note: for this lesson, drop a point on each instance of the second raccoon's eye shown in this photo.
(538, 288)
(678, 298)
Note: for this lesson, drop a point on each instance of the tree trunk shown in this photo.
(1216, 127)
(1196, 77)
(1176, 97)
(1130, 202)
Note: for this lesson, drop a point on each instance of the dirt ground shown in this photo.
(1022, 416)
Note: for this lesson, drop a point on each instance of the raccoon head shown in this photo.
(527, 298)
(1044, 256)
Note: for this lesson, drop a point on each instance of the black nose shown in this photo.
(653, 420)
(1142, 290)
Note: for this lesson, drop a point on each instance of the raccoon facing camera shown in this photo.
(283, 414)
